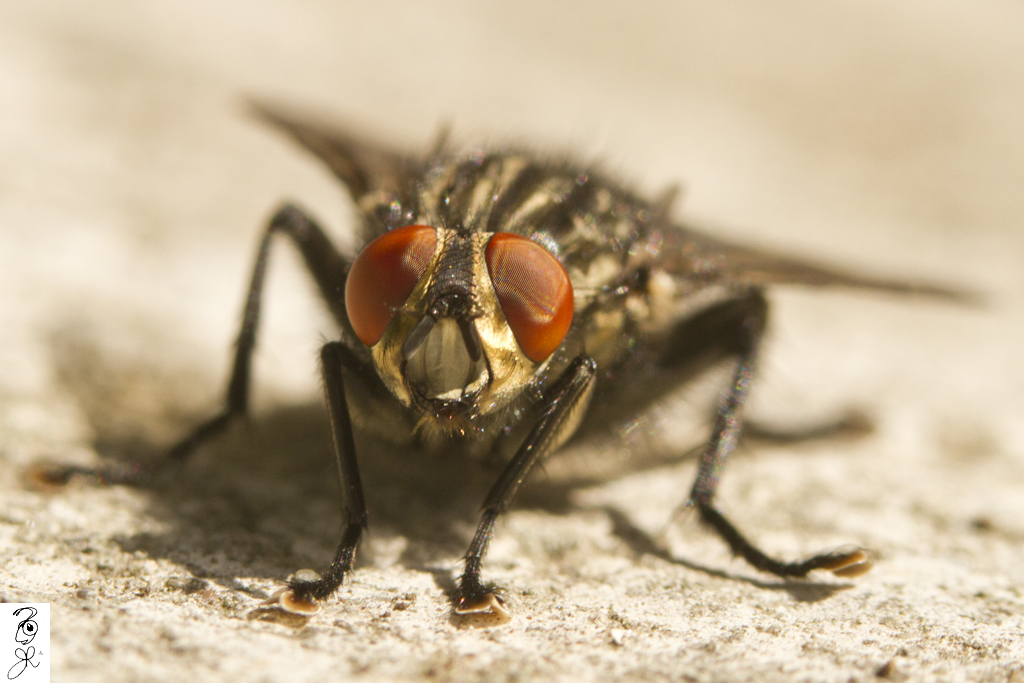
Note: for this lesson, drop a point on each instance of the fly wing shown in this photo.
(703, 260)
(374, 174)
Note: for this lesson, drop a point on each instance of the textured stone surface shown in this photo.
(883, 136)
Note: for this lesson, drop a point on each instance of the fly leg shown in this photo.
(302, 596)
(329, 269)
(738, 326)
(563, 406)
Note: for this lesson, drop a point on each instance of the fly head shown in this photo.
(458, 322)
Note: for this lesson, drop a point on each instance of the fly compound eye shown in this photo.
(384, 275)
(534, 292)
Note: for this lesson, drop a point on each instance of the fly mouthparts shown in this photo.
(470, 339)
(426, 324)
(418, 335)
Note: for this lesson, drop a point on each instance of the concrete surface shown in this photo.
(885, 136)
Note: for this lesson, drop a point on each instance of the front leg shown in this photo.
(563, 405)
(303, 596)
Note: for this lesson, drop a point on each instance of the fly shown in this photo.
(499, 301)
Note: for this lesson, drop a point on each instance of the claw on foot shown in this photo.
(286, 601)
(48, 476)
(849, 563)
(488, 603)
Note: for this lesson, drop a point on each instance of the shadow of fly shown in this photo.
(497, 302)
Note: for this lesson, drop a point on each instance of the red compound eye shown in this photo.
(534, 293)
(383, 277)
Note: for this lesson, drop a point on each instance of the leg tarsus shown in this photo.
(303, 596)
(846, 562)
(133, 472)
(51, 475)
(473, 596)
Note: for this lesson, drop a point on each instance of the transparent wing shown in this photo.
(374, 173)
(693, 256)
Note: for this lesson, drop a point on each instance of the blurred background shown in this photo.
(882, 136)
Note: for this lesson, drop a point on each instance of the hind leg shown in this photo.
(735, 328)
(329, 270)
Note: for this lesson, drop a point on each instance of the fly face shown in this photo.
(458, 322)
